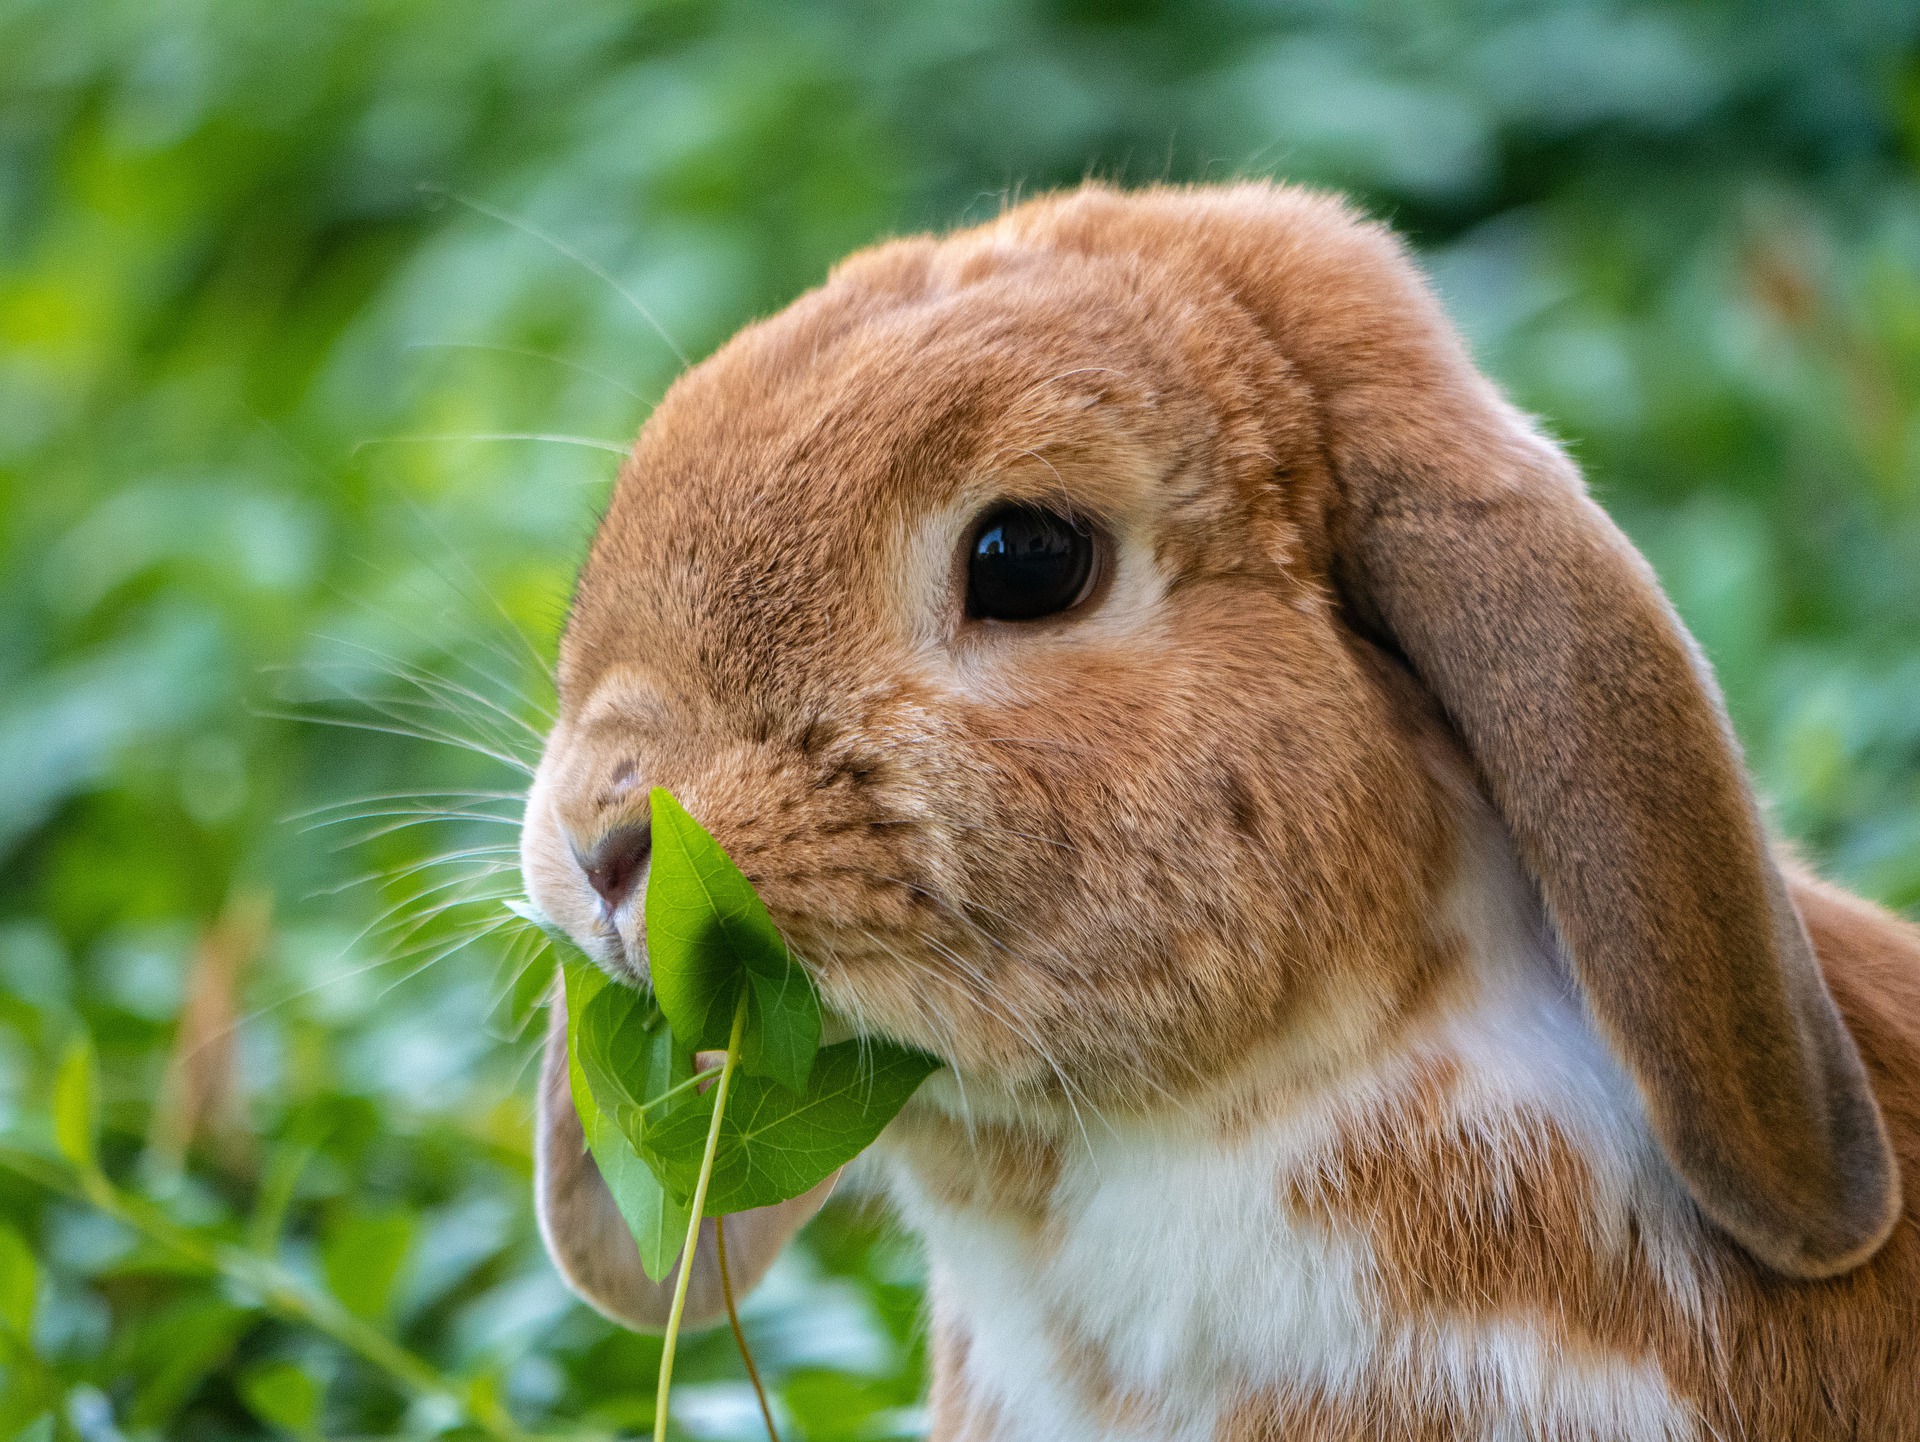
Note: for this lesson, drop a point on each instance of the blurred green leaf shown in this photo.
(284, 1395)
(831, 1405)
(19, 1285)
(76, 1106)
(363, 1253)
(171, 1352)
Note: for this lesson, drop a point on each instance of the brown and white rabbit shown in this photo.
(1374, 1006)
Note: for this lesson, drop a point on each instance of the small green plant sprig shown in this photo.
(781, 1112)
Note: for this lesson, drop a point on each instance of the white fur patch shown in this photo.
(1171, 1260)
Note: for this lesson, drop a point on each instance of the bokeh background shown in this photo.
(320, 326)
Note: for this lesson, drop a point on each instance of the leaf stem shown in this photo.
(693, 1222)
(739, 1336)
(673, 1091)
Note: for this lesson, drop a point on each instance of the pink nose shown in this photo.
(614, 866)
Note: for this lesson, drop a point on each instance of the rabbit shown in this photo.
(1138, 658)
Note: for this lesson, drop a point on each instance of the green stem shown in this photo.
(739, 1332)
(693, 1224)
(280, 1291)
(673, 1091)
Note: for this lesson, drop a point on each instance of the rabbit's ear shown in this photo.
(589, 1241)
(1465, 540)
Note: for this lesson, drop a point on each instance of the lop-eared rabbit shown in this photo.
(1139, 658)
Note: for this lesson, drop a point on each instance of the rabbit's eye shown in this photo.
(1025, 563)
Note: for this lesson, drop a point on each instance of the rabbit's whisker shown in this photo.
(408, 820)
(1068, 1089)
(556, 438)
(592, 267)
(440, 687)
(529, 354)
(446, 858)
(397, 727)
(984, 998)
(422, 797)
(528, 654)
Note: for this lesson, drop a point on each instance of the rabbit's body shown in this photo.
(1471, 1235)
(1136, 656)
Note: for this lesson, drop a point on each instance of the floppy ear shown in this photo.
(588, 1240)
(1467, 539)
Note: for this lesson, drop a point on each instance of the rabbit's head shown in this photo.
(1065, 625)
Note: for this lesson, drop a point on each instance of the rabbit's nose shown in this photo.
(616, 862)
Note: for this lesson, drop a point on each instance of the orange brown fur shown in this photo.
(1010, 1171)
(1468, 1223)
(1180, 861)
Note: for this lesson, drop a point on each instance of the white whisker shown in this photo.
(440, 685)
(593, 443)
(593, 268)
(396, 729)
(530, 354)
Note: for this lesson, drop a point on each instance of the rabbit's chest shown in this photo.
(1454, 1261)
(1138, 1304)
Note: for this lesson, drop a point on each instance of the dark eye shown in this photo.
(1025, 563)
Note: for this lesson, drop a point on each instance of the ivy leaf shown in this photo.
(657, 1220)
(796, 1113)
(604, 1094)
(708, 935)
(775, 1144)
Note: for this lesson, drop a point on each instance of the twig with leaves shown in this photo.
(783, 1112)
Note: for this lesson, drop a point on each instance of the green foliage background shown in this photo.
(247, 371)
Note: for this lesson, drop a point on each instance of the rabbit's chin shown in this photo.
(1075, 1054)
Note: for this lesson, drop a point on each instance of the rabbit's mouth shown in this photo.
(850, 911)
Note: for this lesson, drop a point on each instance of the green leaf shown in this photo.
(708, 934)
(76, 1105)
(630, 1057)
(834, 1406)
(19, 1284)
(485, 1400)
(783, 1026)
(657, 1220)
(174, 1352)
(363, 1254)
(775, 1144)
(281, 1394)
